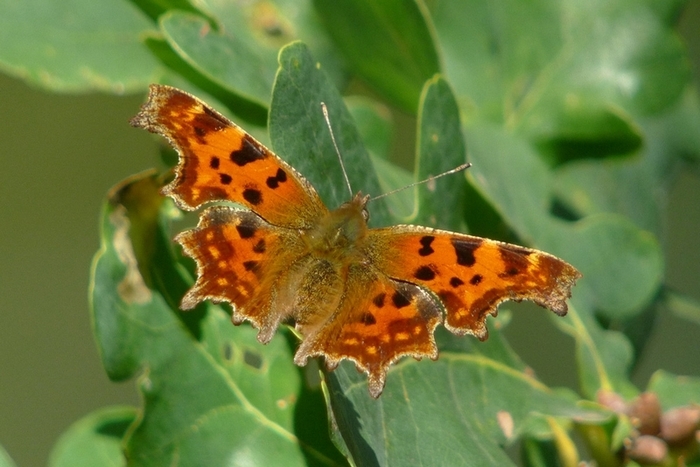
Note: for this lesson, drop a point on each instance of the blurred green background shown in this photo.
(60, 154)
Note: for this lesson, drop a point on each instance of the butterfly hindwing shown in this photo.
(377, 321)
(239, 260)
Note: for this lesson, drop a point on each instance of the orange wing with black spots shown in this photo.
(378, 321)
(471, 275)
(221, 162)
(240, 260)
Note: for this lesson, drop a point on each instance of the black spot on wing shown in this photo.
(260, 247)
(476, 279)
(280, 177)
(214, 162)
(425, 242)
(225, 179)
(424, 273)
(253, 196)
(219, 123)
(251, 265)
(515, 260)
(400, 300)
(456, 282)
(247, 153)
(464, 250)
(379, 300)
(368, 319)
(246, 231)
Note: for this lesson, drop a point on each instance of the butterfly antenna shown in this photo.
(459, 168)
(337, 151)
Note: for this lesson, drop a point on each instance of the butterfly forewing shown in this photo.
(471, 275)
(221, 162)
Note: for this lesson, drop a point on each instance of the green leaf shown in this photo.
(635, 187)
(465, 395)
(239, 51)
(76, 45)
(388, 43)
(95, 440)
(211, 392)
(526, 65)
(5, 459)
(300, 88)
(229, 60)
(682, 306)
(440, 148)
(673, 390)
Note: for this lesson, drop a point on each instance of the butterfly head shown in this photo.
(339, 232)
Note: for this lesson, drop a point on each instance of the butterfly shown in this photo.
(369, 295)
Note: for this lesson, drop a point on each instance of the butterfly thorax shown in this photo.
(337, 236)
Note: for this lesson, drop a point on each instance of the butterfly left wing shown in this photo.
(219, 161)
(377, 321)
(470, 275)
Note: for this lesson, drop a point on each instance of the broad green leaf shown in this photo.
(300, 88)
(675, 391)
(5, 459)
(224, 57)
(635, 187)
(390, 44)
(155, 8)
(463, 394)
(440, 147)
(561, 72)
(95, 440)
(682, 306)
(76, 45)
(375, 127)
(184, 75)
(374, 123)
(212, 393)
(239, 51)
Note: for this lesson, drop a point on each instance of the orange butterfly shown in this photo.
(368, 295)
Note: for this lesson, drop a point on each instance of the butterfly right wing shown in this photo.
(470, 275)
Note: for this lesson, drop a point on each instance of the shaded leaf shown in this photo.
(682, 306)
(5, 459)
(440, 147)
(463, 394)
(63, 46)
(95, 440)
(224, 58)
(673, 390)
(526, 65)
(299, 89)
(394, 52)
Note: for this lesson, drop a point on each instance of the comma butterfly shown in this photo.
(368, 295)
